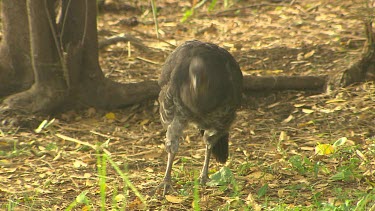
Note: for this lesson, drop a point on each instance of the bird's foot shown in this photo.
(203, 179)
(166, 185)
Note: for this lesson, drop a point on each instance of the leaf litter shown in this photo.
(273, 142)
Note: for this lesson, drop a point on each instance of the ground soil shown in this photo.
(45, 171)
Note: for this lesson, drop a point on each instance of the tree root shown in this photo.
(34, 100)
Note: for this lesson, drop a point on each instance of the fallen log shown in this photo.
(268, 83)
(250, 83)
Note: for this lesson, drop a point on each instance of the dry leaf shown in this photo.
(309, 54)
(78, 164)
(324, 149)
(361, 155)
(152, 154)
(283, 136)
(307, 111)
(307, 148)
(148, 169)
(274, 72)
(87, 175)
(5, 163)
(273, 105)
(90, 183)
(110, 116)
(119, 198)
(136, 204)
(335, 101)
(261, 175)
(175, 199)
(300, 56)
(290, 117)
(251, 201)
(321, 186)
(86, 208)
(145, 121)
(10, 170)
(326, 111)
(299, 105)
(280, 193)
(305, 124)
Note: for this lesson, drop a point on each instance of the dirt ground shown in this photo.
(272, 142)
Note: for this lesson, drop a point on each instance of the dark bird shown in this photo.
(201, 84)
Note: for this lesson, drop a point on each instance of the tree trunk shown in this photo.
(364, 69)
(88, 84)
(15, 62)
(49, 88)
(64, 60)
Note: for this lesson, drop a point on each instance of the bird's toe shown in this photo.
(203, 179)
(166, 186)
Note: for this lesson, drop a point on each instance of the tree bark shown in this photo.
(364, 69)
(64, 60)
(267, 83)
(15, 62)
(258, 83)
(49, 88)
(88, 84)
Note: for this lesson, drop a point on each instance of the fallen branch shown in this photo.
(231, 11)
(124, 38)
(94, 147)
(263, 83)
(267, 83)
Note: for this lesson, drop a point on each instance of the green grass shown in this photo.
(340, 178)
(225, 180)
(82, 199)
(102, 169)
(196, 197)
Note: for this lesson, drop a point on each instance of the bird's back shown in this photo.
(200, 81)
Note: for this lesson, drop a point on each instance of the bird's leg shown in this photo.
(203, 178)
(201, 132)
(167, 181)
(174, 132)
(209, 137)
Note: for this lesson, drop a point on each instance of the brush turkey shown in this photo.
(201, 84)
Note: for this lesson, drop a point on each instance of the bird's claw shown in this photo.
(203, 179)
(166, 185)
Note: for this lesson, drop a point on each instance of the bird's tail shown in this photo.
(220, 150)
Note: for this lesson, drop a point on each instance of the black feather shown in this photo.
(220, 150)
